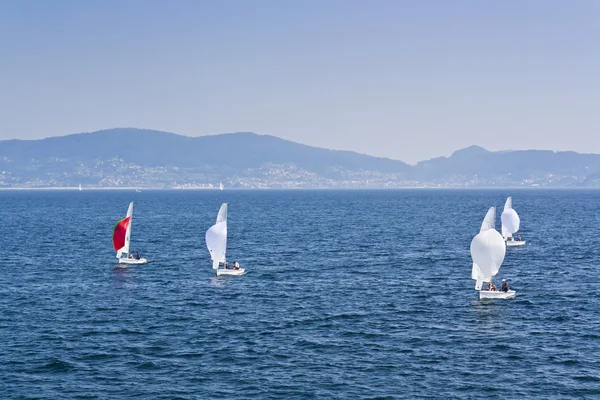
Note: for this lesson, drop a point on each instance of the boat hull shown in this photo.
(514, 243)
(235, 272)
(491, 294)
(132, 261)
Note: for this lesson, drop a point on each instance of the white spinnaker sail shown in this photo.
(125, 248)
(488, 250)
(216, 238)
(510, 222)
(510, 219)
(488, 223)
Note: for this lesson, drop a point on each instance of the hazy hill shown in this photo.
(154, 148)
(140, 157)
(477, 162)
(217, 156)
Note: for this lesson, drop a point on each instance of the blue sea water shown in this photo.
(349, 294)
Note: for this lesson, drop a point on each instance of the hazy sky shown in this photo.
(408, 80)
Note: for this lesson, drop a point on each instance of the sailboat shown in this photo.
(510, 224)
(221, 187)
(216, 241)
(80, 187)
(122, 238)
(488, 250)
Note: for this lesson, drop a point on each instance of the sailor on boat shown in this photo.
(491, 287)
(236, 265)
(137, 255)
(504, 285)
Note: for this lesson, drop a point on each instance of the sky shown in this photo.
(408, 80)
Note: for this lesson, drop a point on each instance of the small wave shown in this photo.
(98, 356)
(132, 332)
(147, 365)
(569, 362)
(591, 336)
(56, 365)
(587, 378)
(189, 355)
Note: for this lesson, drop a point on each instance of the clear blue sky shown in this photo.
(408, 80)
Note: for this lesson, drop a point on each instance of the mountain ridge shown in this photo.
(150, 158)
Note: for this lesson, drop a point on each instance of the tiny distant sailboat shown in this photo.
(80, 187)
(216, 241)
(510, 224)
(488, 250)
(138, 190)
(221, 187)
(121, 240)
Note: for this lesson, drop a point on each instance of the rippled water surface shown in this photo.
(349, 294)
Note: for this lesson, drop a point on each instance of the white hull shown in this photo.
(236, 272)
(132, 261)
(491, 294)
(514, 243)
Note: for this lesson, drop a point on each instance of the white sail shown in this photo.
(221, 185)
(508, 203)
(222, 215)
(477, 276)
(510, 222)
(216, 238)
(80, 186)
(489, 222)
(125, 248)
(488, 250)
(510, 219)
(487, 225)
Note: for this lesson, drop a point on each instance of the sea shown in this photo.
(349, 294)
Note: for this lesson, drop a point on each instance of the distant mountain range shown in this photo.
(127, 157)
